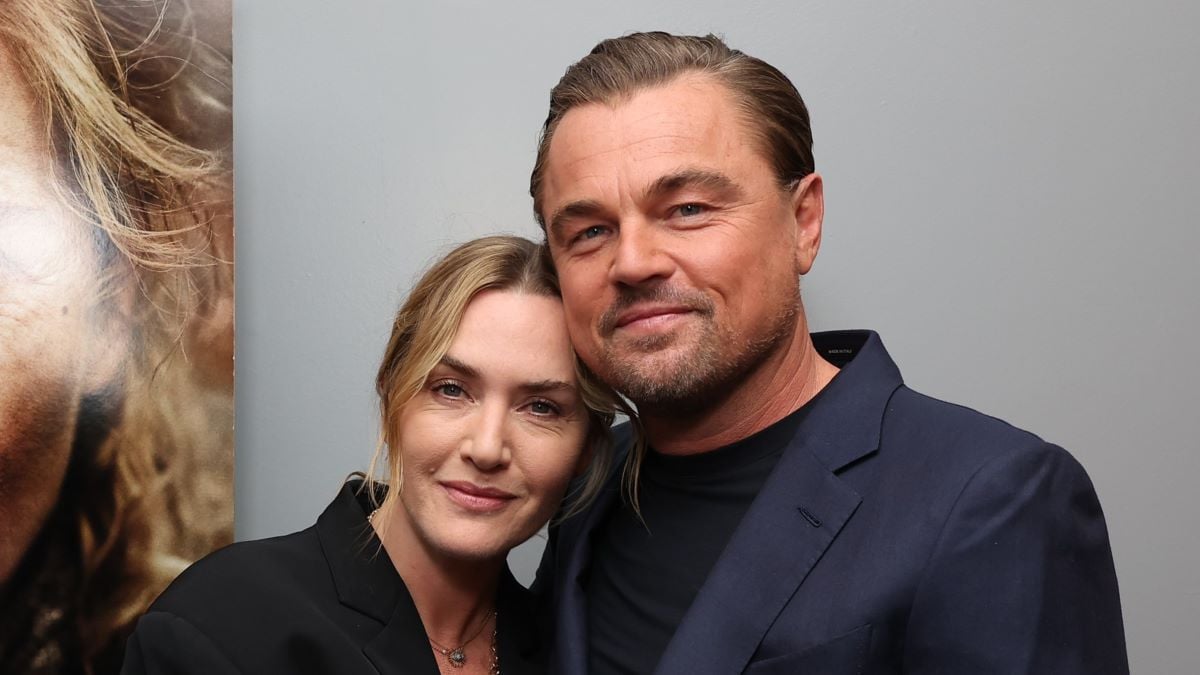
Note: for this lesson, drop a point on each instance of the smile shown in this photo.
(650, 318)
(475, 498)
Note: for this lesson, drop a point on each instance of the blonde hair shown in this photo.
(427, 323)
(137, 111)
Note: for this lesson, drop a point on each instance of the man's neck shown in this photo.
(777, 387)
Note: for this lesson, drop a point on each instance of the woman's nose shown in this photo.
(486, 442)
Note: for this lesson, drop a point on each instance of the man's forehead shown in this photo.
(685, 100)
(690, 116)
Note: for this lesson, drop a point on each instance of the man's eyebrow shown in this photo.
(719, 183)
(582, 208)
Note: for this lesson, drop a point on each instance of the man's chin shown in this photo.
(654, 378)
(644, 345)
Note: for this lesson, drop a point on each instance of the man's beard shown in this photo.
(662, 378)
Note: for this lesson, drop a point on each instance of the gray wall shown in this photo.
(1012, 202)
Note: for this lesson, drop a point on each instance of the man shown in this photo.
(798, 509)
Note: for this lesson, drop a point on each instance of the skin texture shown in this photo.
(502, 411)
(679, 257)
(54, 347)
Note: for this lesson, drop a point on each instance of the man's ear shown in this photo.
(808, 208)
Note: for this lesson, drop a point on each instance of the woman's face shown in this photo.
(48, 344)
(489, 443)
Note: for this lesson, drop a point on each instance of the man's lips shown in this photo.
(475, 497)
(649, 315)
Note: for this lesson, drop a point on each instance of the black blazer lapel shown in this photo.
(401, 647)
(367, 582)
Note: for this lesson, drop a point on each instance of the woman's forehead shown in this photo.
(522, 335)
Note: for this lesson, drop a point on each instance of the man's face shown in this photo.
(678, 253)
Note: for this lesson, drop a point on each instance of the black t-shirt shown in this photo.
(644, 576)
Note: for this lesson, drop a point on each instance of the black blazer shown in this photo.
(325, 600)
(897, 534)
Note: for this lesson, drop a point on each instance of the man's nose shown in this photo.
(639, 256)
(485, 443)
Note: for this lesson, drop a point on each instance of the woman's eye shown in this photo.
(543, 408)
(449, 390)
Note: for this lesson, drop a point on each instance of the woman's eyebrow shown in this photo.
(547, 386)
(459, 366)
(532, 386)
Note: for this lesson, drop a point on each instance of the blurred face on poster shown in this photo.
(116, 316)
(60, 343)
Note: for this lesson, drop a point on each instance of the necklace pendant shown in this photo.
(457, 658)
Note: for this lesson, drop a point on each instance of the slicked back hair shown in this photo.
(618, 68)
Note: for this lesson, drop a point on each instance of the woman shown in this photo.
(486, 416)
(115, 321)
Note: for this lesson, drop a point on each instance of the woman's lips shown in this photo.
(476, 498)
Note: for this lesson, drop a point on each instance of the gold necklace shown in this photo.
(457, 657)
(494, 669)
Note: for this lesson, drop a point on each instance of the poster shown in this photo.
(116, 316)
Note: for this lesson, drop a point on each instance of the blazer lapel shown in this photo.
(785, 532)
(575, 539)
(401, 647)
(367, 582)
(798, 514)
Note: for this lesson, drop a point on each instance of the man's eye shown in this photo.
(586, 237)
(686, 210)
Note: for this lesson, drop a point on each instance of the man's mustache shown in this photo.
(629, 297)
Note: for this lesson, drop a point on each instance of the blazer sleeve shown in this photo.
(1021, 579)
(165, 644)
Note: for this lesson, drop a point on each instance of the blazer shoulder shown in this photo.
(228, 583)
(956, 435)
(935, 414)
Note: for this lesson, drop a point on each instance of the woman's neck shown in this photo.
(454, 597)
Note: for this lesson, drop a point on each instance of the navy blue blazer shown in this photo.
(897, 534)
